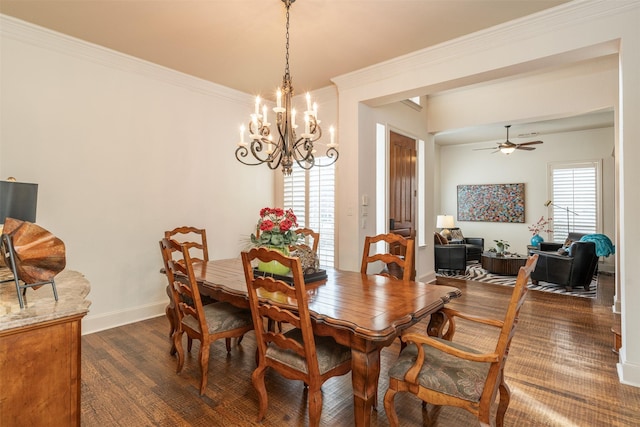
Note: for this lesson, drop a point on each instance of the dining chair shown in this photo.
(206, 323)
(398, 258)
(197, 236)
(308, 235)
(296, 353)
(442, 372)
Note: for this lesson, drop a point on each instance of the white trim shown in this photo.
(628, 373)
(113, 319)
(411, 104)
(508, 36)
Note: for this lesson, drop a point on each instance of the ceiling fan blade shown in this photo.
(489, 148)
(525, 148)
(530, 143)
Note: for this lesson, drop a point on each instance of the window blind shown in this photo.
(311, 195)
(574, 189)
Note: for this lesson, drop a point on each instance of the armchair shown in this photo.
(474, 245)
(574, 269)
(449, 256)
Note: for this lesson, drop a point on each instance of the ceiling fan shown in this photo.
(509, 147)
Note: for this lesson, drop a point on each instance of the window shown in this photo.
(575, 198)
(311, 195)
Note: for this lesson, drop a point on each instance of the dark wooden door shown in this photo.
(402, 186)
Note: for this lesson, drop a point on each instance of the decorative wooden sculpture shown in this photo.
(39, 255)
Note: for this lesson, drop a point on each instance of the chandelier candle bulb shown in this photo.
(308, 101)
(315, 111)
(242, 143)
(257, 105)
(306, 125)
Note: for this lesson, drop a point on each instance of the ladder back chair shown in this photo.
(200, 253)
(197, 236)
(308, 235)
(398, 266)
(206, 323)
(296, 354)
(442, 372)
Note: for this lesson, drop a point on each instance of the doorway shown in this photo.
(402, 187)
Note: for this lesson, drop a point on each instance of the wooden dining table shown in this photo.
(364, 312)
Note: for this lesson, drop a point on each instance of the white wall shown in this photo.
(462, 166)
(123, 150)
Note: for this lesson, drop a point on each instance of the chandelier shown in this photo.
(289, 147)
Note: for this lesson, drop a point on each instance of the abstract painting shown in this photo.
(491, 203)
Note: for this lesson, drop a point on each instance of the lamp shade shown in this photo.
(18, 200)
(445, 221)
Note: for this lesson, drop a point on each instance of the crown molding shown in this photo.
(502, 35)
(51, 40)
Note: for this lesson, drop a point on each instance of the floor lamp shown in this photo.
(549, 202)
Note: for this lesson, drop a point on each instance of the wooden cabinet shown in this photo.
(40, 349)
(40, 371)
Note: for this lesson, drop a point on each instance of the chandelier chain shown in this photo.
(286, 67)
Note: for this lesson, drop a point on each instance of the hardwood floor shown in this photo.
(561, 372)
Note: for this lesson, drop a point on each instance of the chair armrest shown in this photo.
(475, 241)
(553, 255)
(450, 257)
(419, 339)
(550, 246)
(450, 313)
(552, 268)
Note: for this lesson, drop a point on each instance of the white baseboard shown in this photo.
(428, 278)
(97, 323)
(628, 373)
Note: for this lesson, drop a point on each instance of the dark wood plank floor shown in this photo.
(561, 371)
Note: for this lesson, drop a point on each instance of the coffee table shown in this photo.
(506, 265)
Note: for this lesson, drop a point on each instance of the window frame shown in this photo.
(559, 212)
(311, 216)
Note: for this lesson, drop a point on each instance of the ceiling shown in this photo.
(525, 132)
(241, 43)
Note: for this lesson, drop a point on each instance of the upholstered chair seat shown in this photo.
(443, 372)
(330, 355)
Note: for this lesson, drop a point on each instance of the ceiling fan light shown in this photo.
(507, 150)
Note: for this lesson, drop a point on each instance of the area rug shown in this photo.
(477, 273)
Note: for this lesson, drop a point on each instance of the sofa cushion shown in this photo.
(439, 239)
(456, 234)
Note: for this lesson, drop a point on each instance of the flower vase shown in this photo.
(274, 267)
(536, 240)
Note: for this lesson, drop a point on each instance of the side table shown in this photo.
(507, 265)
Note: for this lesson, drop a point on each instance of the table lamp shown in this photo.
(445, 222)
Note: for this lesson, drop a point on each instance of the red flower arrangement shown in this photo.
(541, 225)
(275, 225)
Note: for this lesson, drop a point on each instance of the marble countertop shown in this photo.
(40, 305)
